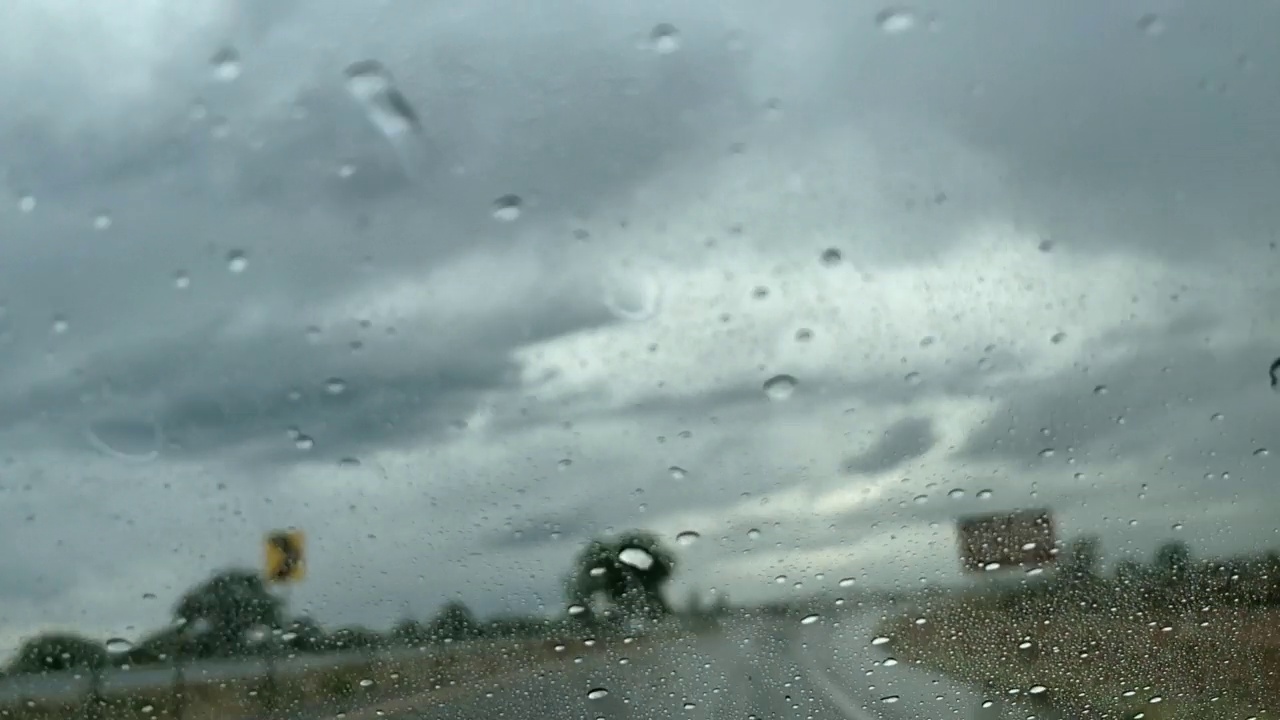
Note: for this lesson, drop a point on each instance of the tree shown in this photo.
(55, 652)
(411, 633)
(1084, 555)
(454, 623)
(1173, 564)
(630, 571)
(223, 612)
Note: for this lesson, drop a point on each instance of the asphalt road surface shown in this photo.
(756, 670)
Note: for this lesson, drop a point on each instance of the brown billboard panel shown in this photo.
(1018, 538)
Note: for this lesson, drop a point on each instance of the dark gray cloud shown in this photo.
(901, 442)
(502, 412)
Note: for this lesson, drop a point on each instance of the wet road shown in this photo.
(751, 670)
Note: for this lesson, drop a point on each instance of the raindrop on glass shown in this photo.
(1047, 453)
(879, 640)
(831, 257)
(237, 261)
(809, 619)
(1057, 338)
(118, 644)
(27, 203)
(226, 64)
(895, 20)
(753, 534)
(688, 537)
(304, 442)
(912, 378)
(335, 386)
(780, 387)
(804, 335)
(1151, 24)
(984, 495)
(181, 280)
(677, 473)
(507, 208)
(664, 38)
(597, 694)
(636, 558)
(102, 221)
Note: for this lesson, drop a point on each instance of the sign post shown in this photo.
(285, 563)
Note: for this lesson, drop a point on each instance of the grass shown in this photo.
(1109, 662)
(323, 691)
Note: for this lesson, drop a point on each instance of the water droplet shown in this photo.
(346, 170)
(913, 378)
(845, 582)
(890, 699)
(1046, 245)
(810, 619)
(759, 293)
(637, 558)
(781, 579)
(102, 221)
(895, 20)
(304, 442)
(688, 537)
(1261, 452)
(1216, 417)
(576, 609)
(335, 386)
(1047, 453)
(60, 325)
(831, 257)
(1176, 526)
(564, 463)
(181, 280)
(148, 596)
(677, 473)
(597, 693)
(664, 38)
(387, 109)
(780, 387)
(983, 494)
(955, 493)
(631, 295)
(879, 640)
(890, 662)
(237, 261)
(226, 64)
(27, 203)
(118, 644)
(123, 438)
(804, 335)
(690, 706)
(1151, 24)
(1057, 338)
(1100, 390)
(753, 534)
(920, 499)
(507, 208)
(1037, 689)
(366, 682)
(349, 463)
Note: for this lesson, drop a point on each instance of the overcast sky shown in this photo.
(239, 297)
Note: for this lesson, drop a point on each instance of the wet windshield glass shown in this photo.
(638, 360)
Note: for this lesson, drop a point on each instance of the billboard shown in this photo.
(1015, 538)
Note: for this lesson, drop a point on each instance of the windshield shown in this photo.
(638, 359)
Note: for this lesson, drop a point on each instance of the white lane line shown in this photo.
(852, 709)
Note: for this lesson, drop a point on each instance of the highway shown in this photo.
(751, 670)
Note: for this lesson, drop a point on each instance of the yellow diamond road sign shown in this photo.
(286, 559)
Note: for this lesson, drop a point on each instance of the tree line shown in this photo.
(1173, 578)
(613, 584)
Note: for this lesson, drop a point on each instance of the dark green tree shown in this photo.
(630, 571)
(1173, 564)
(55, 652)
(454, 623)
(222, 614)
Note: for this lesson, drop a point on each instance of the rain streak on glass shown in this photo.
(371, 85)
